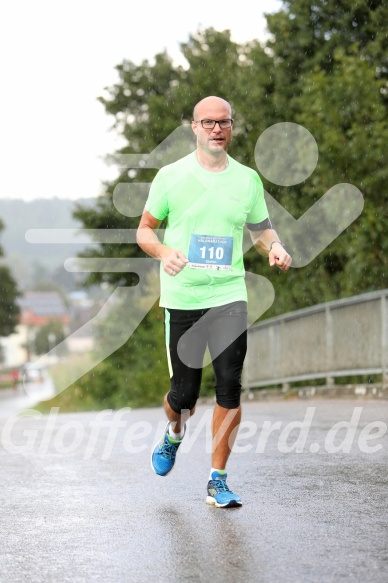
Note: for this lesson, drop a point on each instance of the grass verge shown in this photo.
(73, 399)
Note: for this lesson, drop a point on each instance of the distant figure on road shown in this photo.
(207, 198)
(15, 378)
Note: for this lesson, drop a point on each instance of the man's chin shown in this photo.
(217, 146)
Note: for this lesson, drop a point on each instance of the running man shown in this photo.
(207, 198)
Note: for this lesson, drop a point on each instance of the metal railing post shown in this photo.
(384, 341)
(329, 345)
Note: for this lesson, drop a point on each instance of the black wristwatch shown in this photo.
(273, 242)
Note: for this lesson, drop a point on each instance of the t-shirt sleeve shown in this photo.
(259, 211)
(157, 202)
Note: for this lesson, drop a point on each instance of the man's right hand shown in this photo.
(173, 261)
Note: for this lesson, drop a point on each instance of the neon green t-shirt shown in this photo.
(206, 213)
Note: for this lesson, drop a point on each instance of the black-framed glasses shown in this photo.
(209, 124)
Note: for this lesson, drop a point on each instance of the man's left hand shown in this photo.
(279, 256)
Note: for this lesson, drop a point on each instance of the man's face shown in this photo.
(213, 141)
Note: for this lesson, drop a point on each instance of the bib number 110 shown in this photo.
(213, 252)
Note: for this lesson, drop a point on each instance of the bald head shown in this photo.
(208, 107)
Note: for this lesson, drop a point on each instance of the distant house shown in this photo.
(36, 309)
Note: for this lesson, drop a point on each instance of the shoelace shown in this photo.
(168, 450)
(220, 485)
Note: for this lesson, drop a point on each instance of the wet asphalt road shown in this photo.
(79, 502)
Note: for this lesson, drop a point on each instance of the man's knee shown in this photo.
(179, 403)
(229, 397)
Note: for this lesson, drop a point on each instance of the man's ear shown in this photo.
(194, 127)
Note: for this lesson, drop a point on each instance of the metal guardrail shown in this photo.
(340, 338)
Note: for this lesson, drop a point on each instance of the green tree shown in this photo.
(306, 35)
(351, 128)
(49, 336)
(331, 76)
(9, 309)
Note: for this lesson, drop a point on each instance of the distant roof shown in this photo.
(42, 305)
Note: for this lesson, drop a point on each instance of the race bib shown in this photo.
(210, 252)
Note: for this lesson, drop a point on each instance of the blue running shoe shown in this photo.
(219, 494)
(163, 456)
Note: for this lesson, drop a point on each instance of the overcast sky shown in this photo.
(57, 57)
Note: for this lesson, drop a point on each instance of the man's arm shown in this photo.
(267, 243)
(173, 260)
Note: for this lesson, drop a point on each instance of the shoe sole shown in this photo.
(161, 475)
(231, 504)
